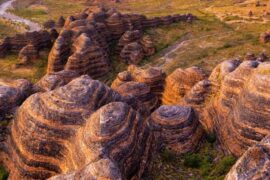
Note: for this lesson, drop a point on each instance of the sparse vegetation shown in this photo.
(3, 173)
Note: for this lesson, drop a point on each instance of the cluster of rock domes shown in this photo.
(83, 44)
(78, 127)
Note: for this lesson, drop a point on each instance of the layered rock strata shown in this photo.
(254, 164)
(75, 127)
(28, 54)
(180, 82)
(176, 128)
(132, 53)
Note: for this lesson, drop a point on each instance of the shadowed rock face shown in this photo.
(176, 128)
(179, 83)
(254, 164)
(65, 129)
(132, 53)
(12, 94)
(234, 104)
(28, 54)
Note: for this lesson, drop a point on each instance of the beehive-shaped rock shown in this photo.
(179, 83)
(148, 45)
(88, 58)
(132, 53)
(12, 94)
(61, 22)
(153, 77)
(176, 128)
(127, 38)
(236, 105)
(28, 54)
(66, 129)
(122, 78)
(254, 164)
(46, 123)
(141, 91)
(60, 52)
(54, 80)
(116, 24)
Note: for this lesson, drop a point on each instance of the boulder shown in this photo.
(60, 22)
(176, 128)
(127, 38)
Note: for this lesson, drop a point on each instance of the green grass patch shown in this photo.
(3, 173)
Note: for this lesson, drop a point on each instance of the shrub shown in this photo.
(3, 173)
(192, 160)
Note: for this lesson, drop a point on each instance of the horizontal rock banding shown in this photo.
(179, 83)
(46, 126)
(176, 128)
(141, 91)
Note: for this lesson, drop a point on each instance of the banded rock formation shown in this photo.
(179, 83)
(54, 80)
(141, 91)
(152, 77)
(77, 124)
(12, 94)
(176, 128)
(132, 53)
(127, 38)
(148, 46)
(233, 104)
(254, 164)
(103, 27)
(28, 54)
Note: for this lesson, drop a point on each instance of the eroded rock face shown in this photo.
(28, 54)
(148, 45)
(254, 164)
(12, 94)
(54, 80)
(176, 128)
(180, 82)
(152, 77)
(74, 127)
(104, 28)
(101, 169)
(233, 103)
(132, 53)
(141, 91)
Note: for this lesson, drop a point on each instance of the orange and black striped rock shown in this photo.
(254, 164)
(54, 80)
(140, 91)
(234, 104)
(28, 54)
(176, 128)
(148, 45)
(68, 128)
(127, 38)
(180, 82)
(12, 94)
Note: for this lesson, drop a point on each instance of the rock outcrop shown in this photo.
(180, 82)
(153, 77)
(265, 37)
(148, 45)
(12, 94)
(76, 127)
(254, 164)
(28, 54)
(127, 38)
(141, 91)
(55, 80)
(233, 103)
(132, 53)
(176, 128)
